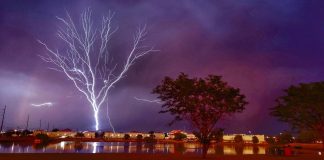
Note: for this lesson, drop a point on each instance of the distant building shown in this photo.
(35, 132)
(134, 134)
(62, 134)
(159, 135)
(112, 135)
(89, 134)
(246, 138)
(190, 136)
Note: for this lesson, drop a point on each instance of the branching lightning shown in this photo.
(46, 104)
(109, 120)
(86, 60)
(147, 100)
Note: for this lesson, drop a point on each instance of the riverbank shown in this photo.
(72, 156)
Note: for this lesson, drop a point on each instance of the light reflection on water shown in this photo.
(128, 147)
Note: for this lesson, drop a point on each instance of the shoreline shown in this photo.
(131, 156)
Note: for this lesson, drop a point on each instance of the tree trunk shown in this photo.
(323, 142)
(205, 149)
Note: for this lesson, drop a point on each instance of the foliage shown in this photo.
(26, 132)
(55, 130)
(307, 136)
(151, 134)
(284, 138)
(43, 137)
(202, 102)
(270, 140)
(126, 136)
(302, 107)
(255, 140)
(99, 134)
(79, 134)
(179, 136)
(10, 133)
(238, 139)
(218, 134)
(139, 137)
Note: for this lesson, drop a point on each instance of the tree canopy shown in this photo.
(202, 102)
(302, 107)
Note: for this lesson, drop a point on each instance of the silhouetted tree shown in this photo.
(302, 107)
(55, 130)
(218, 135)
(10, 133)
(79, 134)
(307, 136)
(126, 136)
(202, 102)
(152, 136)
(43, 137)
(284, 138)
(139, 137)
(255, 140)
(99, 134)
(179, 136)
(26, 132)
(238, 139)
(270, 140)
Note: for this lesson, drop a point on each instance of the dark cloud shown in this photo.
(258, 46)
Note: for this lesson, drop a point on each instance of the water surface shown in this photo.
(129, 147)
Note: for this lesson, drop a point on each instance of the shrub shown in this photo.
(9, 133)
(126, 136)
(307, 136)
(43, 137)
(270, 140)
(179, 136)
(285, 138)
(238, 139)
(139, 137)
(55, 130)
(79, 134)
(255, 140)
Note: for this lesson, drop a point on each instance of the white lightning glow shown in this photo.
(46, 104)
(147, 100)
(109, 120)
(86, 60)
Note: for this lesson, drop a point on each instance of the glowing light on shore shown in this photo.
(46, 104)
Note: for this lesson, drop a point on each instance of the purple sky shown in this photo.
(260, 46)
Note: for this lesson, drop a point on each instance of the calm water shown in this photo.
(128, 147)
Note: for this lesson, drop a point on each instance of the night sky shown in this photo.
(259, 46)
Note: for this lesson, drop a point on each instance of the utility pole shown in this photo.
(27, 122)
(3, 116)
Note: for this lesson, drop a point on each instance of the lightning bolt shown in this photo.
(147, 100)
(46, 104)
(86, 60)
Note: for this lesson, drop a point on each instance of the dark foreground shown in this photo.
(118, 156)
